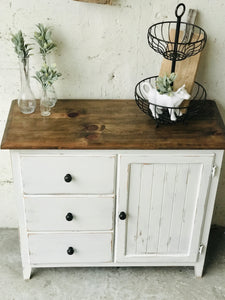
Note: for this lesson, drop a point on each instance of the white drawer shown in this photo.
(69, 213)
(52, 247)
(46, 174)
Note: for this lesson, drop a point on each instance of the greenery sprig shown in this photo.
(22, 50)
(47, 75)
(44, 40)
(164, 85)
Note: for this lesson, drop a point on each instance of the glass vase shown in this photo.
(45, 106)
(26, 99)
(51, 96)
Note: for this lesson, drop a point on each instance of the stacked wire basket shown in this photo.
(173, 48)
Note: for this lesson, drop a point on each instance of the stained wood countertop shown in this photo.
(110, 124)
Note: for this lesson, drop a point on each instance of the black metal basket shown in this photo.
(161, 38)
(176, 40)
(162, 114)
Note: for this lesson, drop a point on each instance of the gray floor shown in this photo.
(112, 283)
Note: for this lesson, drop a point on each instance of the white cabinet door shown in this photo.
(164, 197)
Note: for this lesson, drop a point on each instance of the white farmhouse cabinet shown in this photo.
(95, 190)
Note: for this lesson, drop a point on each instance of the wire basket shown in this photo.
(161, 38)
(176, 40)
(169, 115)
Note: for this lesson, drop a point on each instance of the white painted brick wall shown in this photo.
(102, 53)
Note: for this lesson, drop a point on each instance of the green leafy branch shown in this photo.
(47, 75)
(22, 50)
(44, 40)
(164, 85)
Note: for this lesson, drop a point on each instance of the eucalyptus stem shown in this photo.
(22, 50)
(46, 76)
(43, 37)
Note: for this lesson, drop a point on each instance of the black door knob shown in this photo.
(70, 251)
(68, 178)
(122, 215)
(69, 217)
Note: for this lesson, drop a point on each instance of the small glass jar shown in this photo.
(26, 99)
(45, 107)
(51, 96)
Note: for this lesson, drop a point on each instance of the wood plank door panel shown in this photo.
(164, 197)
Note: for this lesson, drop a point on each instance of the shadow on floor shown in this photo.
(216, 246)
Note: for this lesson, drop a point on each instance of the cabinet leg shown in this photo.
(27, 272)
(198, 270)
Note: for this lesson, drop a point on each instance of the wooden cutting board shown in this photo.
(186, 70)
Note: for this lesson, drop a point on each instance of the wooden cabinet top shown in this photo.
(110, 124)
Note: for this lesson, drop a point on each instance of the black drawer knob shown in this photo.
(122, 215)
(69, 217)
(70, 251)
(68, 178)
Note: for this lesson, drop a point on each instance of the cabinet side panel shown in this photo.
(24, 248)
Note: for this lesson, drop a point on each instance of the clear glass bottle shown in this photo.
(50, 90)
(45, 107)
(51, 95)
(26, 99)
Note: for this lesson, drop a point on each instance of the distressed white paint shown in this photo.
(48, 213)
(102, 53)
(181, 181)
(52, 247)
(90, 175)
(165, 199)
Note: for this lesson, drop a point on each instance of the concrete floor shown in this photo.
(111, 283)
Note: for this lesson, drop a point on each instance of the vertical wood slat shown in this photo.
(156, 206)
(134, 196)
(144, 208)
(178, 204)
(141, 177)
(164, 234)
(192, 194)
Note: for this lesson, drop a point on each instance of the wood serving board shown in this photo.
(186, 70)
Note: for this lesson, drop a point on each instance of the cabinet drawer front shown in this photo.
(69, 213)
(52, 247)
(89, 174)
